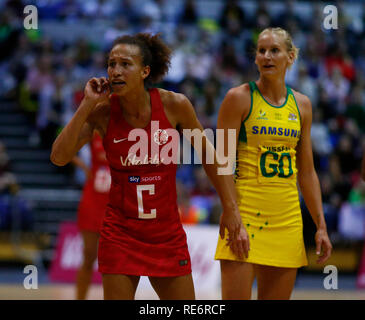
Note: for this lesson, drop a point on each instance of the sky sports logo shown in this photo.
(134, 179)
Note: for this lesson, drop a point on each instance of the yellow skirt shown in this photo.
(273, 221)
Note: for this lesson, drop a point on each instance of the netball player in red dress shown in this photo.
(141, 234)
(92, 207)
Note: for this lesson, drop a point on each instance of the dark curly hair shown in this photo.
(155, 53)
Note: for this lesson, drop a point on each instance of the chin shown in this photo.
(271, 73)
(119, 91)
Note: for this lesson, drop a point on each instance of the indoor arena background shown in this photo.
(42, 75)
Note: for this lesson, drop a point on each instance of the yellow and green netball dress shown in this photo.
(265, 180)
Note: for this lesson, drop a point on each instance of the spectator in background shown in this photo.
(199, 63)
(337, 58)
(97, 67)
(83, 54)
(337, 88)
(180, 50)
(15, 212)
(75, 74)
(356, 107)
(126, 10)
(188, 214)
(321, 141)
(307, 84)
(119, 28)
(331, 202)
(38, 77)
(341, 183)
(98, 9)
(9, 33)
(230, 64)
(288, 15)
(352, 213)
(69, 10)
(233, 18)
(189, 14)
(345, 152)
(202, 196)
(17, 7)
(56, 102)
(362, 170)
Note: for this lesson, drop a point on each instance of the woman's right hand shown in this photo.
(97, 90)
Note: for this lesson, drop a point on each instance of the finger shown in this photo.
(237, 231)
(104, 83)
(327, 252)
(246, 247)
(318, 246)
(221, 231)
(94, 84)
(234, 248)
(240, 249)
(99, 85)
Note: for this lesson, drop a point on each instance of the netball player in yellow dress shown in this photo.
(274, 152)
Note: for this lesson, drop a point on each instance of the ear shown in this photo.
(291, 58)
(146, 71)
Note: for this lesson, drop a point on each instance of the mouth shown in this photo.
(269, 66)
(117, 83)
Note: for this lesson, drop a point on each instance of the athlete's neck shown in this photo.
(136, 103)
(274, 90)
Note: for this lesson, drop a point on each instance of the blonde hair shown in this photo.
(290, 46)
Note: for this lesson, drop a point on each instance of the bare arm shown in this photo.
(234, 109)
(308, 179)
(79, 130)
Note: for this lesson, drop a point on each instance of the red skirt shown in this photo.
(137, 247)
(91, 209)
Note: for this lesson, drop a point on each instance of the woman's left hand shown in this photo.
(323, 242)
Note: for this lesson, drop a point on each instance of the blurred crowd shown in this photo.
(211, 53)
(15, 211)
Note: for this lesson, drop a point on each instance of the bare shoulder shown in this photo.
(237, 101)
(240, 92)
(303, 102)
(177, 106)
(172, 99)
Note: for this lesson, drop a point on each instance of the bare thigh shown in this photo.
(274, 283)
(119, 286)
(174, 288)
(237, 279)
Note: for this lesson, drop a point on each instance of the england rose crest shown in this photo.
(160, 137)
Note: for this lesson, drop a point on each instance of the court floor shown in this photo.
(66, 292)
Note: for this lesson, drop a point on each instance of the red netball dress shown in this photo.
(142, 233)
(95, 194)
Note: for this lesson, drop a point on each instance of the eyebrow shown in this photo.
(271, 46)
(122, 58)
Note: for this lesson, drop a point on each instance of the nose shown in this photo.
(267, 54)
(116, 71)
